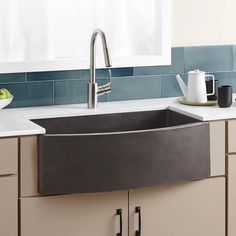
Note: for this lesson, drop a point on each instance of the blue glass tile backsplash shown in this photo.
(215, 58)
(65, 87)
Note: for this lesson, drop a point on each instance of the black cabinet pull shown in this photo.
(119, 213)
(138, 210)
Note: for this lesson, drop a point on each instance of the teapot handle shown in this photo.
(213, 85)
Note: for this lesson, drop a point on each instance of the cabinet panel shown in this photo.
(8, 156)
(28, 167)
(232, 195)
(231, 136)
(74, 215)
(217, 148)
(8, 206)
(195, 208)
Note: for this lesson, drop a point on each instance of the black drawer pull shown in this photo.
(119, 213)
(138, 210)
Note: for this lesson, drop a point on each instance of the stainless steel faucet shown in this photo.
(93, 89)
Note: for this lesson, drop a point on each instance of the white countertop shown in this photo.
(16, 122)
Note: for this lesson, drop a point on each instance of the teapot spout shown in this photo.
(182, 85)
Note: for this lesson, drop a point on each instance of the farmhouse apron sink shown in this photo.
(109, 152)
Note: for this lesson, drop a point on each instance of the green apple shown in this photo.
(7, 92)
(4, 94)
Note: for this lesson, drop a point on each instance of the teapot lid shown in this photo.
(196, 71)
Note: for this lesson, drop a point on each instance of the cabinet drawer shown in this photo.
(8, 156)
(8, 206)
(84, 214)
(231, 136)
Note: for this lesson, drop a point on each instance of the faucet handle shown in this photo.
(106, 88)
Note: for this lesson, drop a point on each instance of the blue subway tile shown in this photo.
(119, 72)
(54, 75)
(176, 66)
(170, 86)
(226, 78)
(103, 73)
(31, 94)
(208, 58)
(11, 78)
(74, 91)
(135, 87)
(234, 57)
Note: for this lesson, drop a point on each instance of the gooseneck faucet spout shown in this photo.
(93, 89)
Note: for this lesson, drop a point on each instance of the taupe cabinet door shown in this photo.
(74, 215)
(8, 206)
(191, 209)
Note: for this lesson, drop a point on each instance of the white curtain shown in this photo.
(51, 29)
(24, 30)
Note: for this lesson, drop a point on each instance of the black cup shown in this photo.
(225, 93)
(209, 87)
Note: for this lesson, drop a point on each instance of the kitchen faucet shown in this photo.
(93, 89)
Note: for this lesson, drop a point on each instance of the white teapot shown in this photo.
(196, 89)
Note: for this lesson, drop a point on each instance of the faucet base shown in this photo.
(92, 95)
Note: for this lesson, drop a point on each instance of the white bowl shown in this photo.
(5, 102)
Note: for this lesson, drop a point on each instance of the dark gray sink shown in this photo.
(109, 152)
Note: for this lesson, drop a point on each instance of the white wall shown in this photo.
(203, 22)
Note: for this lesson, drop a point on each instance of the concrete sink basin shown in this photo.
(111, 152)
